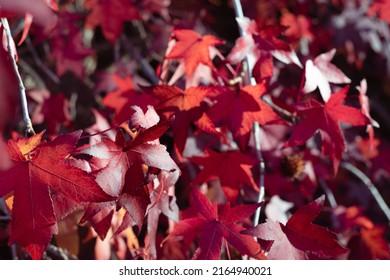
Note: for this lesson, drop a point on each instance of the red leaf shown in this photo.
(110, 16)
(123, 176)
(193, 49)
(213, 227)
(326, 118)
(281, 248)
(232, 168)
(264, 67)
(124, 97)
(238, 110)
(268, 38)
(40, 169)
(135, 198)
(299, 235)
(53, 110)
(186, 106)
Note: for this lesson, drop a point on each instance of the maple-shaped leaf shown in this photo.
(215, 227)
(232, 168)
(299, 236)
(260, 44)
(186, 107)
(325, 118)
(193, 49)
(110, 16)
(320, 72)
(380, 8)
(268, 38)
(124, 173)
(39, 171)
(124, 97)
(239, 109)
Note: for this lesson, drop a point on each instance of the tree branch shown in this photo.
(22, 89)
(248, 61)
(371, 187)
(260, 198)
(328, 192)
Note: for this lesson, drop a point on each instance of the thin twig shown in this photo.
(146, 68)
(328, 192)
(227, 65)
(22, 89)
(256, 127)
(371, 187)
(38, 61)
(260, 198)
(285, 114)
(103, 131)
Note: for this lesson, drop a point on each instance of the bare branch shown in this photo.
(22, 89)
(328, 192)
(260, 198)
(248, 60)
(371, 187)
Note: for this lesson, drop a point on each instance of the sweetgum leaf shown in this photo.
(124, 97)
(39, 170)
(193, 49)
(299, 236)
(326, 118)
(186, 107)
(239, 109)
(233, 169)
(214, 226)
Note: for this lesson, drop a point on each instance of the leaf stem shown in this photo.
(371, 187)
(103, 131)
(22, 90)
(227, 65)
(260, 198)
